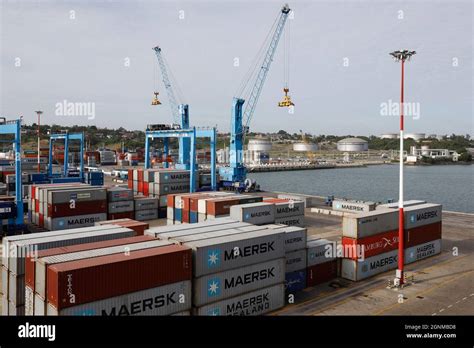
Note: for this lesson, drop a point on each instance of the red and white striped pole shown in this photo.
(401, 56)
(39, 139)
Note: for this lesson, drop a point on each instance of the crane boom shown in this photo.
(262, 74)
(169, 89)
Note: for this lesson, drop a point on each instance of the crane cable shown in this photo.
(287, 50)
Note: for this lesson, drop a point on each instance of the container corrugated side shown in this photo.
(296, 260)
(395, 205)
(25, 247)
(296, 237)
(16, 288)
(368, 224)
(223, 253)
(287, 209)
(83, 281)
(295, 281)
(222, 285)
(120, 206)
(357, 270)
(321, 273)
(193, 231)
(257, 302)
(163, 300)
(422, 251)
(423, 214)
(297, 220)
(254, 213)
(320, 251)
(42, 264)
(217, 234)
(155, 231)
(64, 223)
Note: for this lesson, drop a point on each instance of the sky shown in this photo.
(340, 71)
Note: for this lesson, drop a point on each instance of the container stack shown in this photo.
(370, 240)
(19, 247)
(322, 261)
(120, 203)
(288, 212)
(147, 208)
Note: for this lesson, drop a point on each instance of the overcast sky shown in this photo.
(48, 57)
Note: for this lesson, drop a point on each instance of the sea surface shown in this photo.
(450, 185)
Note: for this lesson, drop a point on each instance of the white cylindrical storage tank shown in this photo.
(425, 150)
(415, 136)
(389, 136)
(305, 147)
(352, 145)
(261, 145)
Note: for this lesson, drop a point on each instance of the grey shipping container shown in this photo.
(143, 215)
(172, 176)
(352, 206)
(254, 213)
(116, 194)
(155, 231)
(296, 237)
(165, 189)
(65, 196)
(368, 224)
(320, 251)
(194, 231)
(286, 209)
(357, 270)
(217, 234)
(395, 205)
(296, 260)
(67, 222)
(24, 247)
(222, 285)
(423, 214)
(120, 207)
(146, 203)
(257, 302)
(422, 251)
(163, 300)
(223, 253)
(297, 220)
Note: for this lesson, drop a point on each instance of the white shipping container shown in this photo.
(296, 260)
(16, 288)
(223, 253)
(155, 231)
(218, 286)
(357, 270)
(64, 223)
(4, 280)
(352, 206)
(217, 234)
(15, 310)
(368, 224)
(163, 300)
(194, 231)
(395, 205)
(257, 302)
(4, 304)
(255, 213)
(422, 251)
(29, 301)
(423, 214)
(40, 305)
(297, 220)
(287, 209)
(296, 237)
(320, 251)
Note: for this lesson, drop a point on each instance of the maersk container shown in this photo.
(163, 300)
(287, 209)
(217, 234)
(115, 194)
(352, 206)
(257, 302)
(43, 263)
(164, 189)
(23, 248)
(64, 223)
(7, 241)
(295, 260)
(65, 196)
(295, 281)
(83, 281)
(223, 253)
(155, 231)
(207, 229)
(395, 205)
(218, 286)
(296, 237)
(357, 270)
(146, 203)
(422, 251)
(423, 214)
(368, 224)
(320, 251)
(254, 213)
(297, 220)
(172, 176)
(144, 215)
(120, 207)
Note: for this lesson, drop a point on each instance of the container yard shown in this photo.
(138, 213)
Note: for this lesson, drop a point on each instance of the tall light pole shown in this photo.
(39, 116)
(401, 56)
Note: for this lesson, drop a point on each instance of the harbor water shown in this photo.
(450, 185)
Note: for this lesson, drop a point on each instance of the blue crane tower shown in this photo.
(234, 176)
(180, 113)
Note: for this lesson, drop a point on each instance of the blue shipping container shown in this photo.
(7, 210)
(295, 281)
(193, 217)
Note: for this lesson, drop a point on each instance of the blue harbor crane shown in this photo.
(234, 176)
(179, 112)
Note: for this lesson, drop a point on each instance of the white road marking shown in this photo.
(450, 306)
(441, 310)
(434, 314)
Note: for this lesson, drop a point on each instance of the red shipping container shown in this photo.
(321, 273)
(423, 234)
(80, 208)
(30, 259)
(373, 245)
(146, 189)
(140, 175)
(125, 215)
(37, 205)
(170, 199)
(274, 200)
(82, 281)
(186, 201)
(41, 220)
(220, 206)
(130, 184)
(140, 186)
